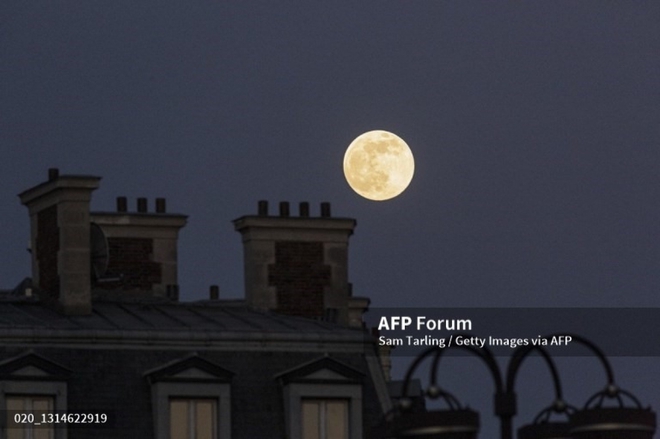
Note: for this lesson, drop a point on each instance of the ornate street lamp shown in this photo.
(445, 424)
(456, 422)
(599, 421)
(595, 421)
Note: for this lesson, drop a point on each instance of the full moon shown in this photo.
(378, 165)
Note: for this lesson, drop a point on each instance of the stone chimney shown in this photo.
(142, 248)
(78, 255)
(297, 265)
(60, 240)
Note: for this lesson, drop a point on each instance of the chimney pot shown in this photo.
(304, 209)
(122, 204)
(53, 174)
(284, 208)
(214, 292)
(325, 210)
(161, 205)
(263, 208)
(142, 205)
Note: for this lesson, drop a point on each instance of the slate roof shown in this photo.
(166, 316)
(162, 321)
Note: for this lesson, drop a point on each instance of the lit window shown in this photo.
(325, 419)
(193, 418)
(23, 412)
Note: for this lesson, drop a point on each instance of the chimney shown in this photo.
(142, 247)
(297, 265)
(60, 239)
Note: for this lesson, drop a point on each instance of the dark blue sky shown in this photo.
(535, 126)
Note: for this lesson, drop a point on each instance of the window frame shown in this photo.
(295, 393)
(162, 392)
(31, 388)
(30, 400)
(322, 407)
(192, 415)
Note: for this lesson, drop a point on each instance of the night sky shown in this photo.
(535, 127)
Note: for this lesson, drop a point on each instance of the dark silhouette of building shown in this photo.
(96, 344)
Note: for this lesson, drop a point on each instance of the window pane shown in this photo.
(311, 420)
(40, 404)
(337, 419)
(193, 418)
(15, 433)
(16, 403)
(205, 419)
(43, 432)
(179, 422)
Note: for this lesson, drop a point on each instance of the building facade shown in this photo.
(96, 344)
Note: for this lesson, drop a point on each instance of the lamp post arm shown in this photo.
(516, 361)
(596, 350)
(413, 367)
(484, 353)
(505, 403)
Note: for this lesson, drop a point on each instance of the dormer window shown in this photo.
(31, 386)
(191, 399)
(323, 400)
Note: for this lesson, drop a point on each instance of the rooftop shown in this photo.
(159, 321)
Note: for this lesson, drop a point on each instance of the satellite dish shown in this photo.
(99, 251)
